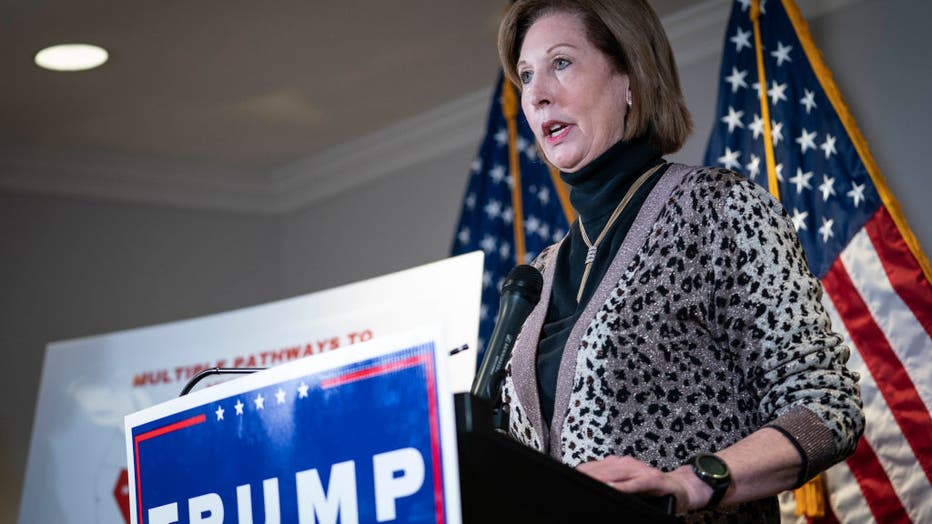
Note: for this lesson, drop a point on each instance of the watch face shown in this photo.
(712, 466)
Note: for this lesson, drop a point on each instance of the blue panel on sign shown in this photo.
(359, 443)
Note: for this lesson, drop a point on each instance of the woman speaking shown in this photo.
(679, 346)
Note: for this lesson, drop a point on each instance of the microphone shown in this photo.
(520, 294)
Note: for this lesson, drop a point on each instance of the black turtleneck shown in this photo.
(595, 191)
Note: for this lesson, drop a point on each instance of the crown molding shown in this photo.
(137, 179)
(696, 34)
(405, 144)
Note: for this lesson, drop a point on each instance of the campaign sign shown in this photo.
(320, 440)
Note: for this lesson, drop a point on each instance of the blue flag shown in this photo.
(782, 123)
(510, 214)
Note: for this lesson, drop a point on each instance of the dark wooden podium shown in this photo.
(503, 481)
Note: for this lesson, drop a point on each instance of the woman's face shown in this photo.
(572, 96)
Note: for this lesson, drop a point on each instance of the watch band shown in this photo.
(714, 472)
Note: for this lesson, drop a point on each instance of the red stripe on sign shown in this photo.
(876, 486)
(181, 424)
(371, 371)
(890, 376)
(901, 266)
(434, 416)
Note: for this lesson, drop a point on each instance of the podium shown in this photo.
(504, 481)
(372, 436)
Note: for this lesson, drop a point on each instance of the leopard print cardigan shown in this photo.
(706, 327)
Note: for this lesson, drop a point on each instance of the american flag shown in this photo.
(514, 207)
(876, 279)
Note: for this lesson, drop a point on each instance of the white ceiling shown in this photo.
(240, 89)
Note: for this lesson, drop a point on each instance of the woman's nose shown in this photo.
(538, 92)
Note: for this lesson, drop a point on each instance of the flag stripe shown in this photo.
(901, 267)
(878, 492)
(891, 378)
(882, 433)
(845, 495)
(907, 338)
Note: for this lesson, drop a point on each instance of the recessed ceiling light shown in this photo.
(71, 57)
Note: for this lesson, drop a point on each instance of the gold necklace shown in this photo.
(594, 246)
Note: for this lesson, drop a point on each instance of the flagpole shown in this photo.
(764, 106)
(563, 194)
(510, 110)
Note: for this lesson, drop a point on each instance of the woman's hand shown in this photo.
(762, 464)
(633, 476)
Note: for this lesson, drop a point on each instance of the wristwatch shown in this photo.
(714, 472)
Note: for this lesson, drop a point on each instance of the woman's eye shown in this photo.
(561, 63)
(525, 77)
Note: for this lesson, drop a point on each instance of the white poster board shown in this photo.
(376, 422)
(76, 466)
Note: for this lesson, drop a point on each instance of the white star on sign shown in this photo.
(782, 54)
(280, 396)
(238, 406)
(463, 235)
(799, 219)
(476, 165)
(736, 79)
(219, 412)
(757, 126)
(856, 193)
(806, 140)
(742, 39)
(828, 146)
(501, 137)
(543, 195)
(827, 187)
(776, 92)
(776, 133)
(733, 119)
(471, 201)
(504, 250)
(259, 401)
(302, 390)
(508, 215)
(779, 170)
(745, 4)
(808, 100)
(483, 312)
(753, 166)
(826, 229)
(801, 180)
(486, 279)
(730, 159)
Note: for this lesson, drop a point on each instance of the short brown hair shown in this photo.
(630, 34)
